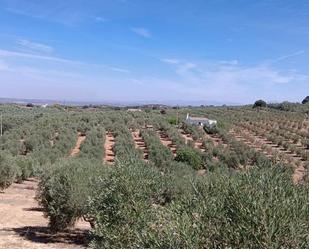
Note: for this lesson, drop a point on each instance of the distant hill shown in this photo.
(118, 103)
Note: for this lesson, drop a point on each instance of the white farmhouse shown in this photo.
(200, 121)
(134, 110)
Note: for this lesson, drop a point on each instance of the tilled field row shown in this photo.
(271, 150)
(109, 157)
(140, 144)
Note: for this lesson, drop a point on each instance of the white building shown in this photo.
(200, 121)
(134, 110)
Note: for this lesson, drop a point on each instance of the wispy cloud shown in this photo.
(284, 57)
(141, 32)
(229, 62)
(120, 70)
(34, 46)
(8, 53)
(229, 80)
(101, 19)
(15, 54)
(170, 61)
(69, 12)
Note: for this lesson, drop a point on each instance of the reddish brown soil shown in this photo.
(140, 144)
(166, 141)
(199, 145)
(215, 139)
(299, 174)
(188, 138)
(109, 156)
(22, 225)
(80, 139)
(253, 144)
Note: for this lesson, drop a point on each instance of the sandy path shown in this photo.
(166, 141)
(22, 224)
(76, 149)
(109, 156)
(140, 144)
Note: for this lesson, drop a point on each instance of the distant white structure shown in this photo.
(44, 106)
(134, 110)
(200, 121)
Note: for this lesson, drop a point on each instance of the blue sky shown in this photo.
(217, 51)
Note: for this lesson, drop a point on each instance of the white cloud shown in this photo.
(284, 57)
(232, 82)
(100, 19)
(142, 32)
(34, 46)
(3, 66)
(120, 70)
(8, 53)
(185, 67)
(170, 61)
(229, 62)
(14, 54)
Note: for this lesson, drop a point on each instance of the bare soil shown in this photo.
(140, 144)
(80, 139)
(166, 141)
(188, 138)
(23, 226)
(215, 139)
(109, 156)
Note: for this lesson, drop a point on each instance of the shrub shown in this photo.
(92, 147)
(158, 153)
(27, 167)
(137, 207)
(64, 190)
(190, 156)
(306, 143)
(211, 130)
(258, 209)
(172, 120)
(9, 172)
(123, 202)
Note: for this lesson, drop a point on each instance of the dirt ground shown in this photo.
(140, 144)
(166, 141)
(22, 224)
(109, 156)
(76, 149)
(188, 138)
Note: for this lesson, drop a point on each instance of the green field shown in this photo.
(163, 183)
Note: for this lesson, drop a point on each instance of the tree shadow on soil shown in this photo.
(40, 234)
(34, 209)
